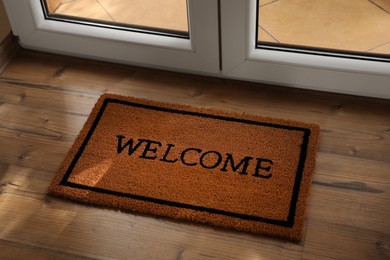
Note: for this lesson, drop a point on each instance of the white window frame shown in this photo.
(241, 60)
(200, 53)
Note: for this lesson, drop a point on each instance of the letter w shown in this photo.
(129, 143)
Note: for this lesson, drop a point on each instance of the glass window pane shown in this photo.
(334, 25)
(166, 17)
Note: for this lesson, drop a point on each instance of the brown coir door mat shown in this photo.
(225, 169)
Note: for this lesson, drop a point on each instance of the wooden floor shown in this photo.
(45, 99)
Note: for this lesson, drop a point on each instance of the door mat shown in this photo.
(229, 170)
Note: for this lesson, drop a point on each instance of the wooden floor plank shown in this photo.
(358, 190)
(360, 170)
(45, 100)
(46, 122)
(333, 241)
(17, 251)
(60, 100)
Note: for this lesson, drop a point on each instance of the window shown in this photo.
(318, 70)
(223, 38)
(168, 17)
(96, 39)
(358, 28)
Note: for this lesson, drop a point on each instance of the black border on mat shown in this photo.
(298, 178)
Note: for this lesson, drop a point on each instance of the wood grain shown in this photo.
(5, 28)
(45, 100)
(8, 48)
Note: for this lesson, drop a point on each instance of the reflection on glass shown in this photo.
(166, 17)
(344, 25)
